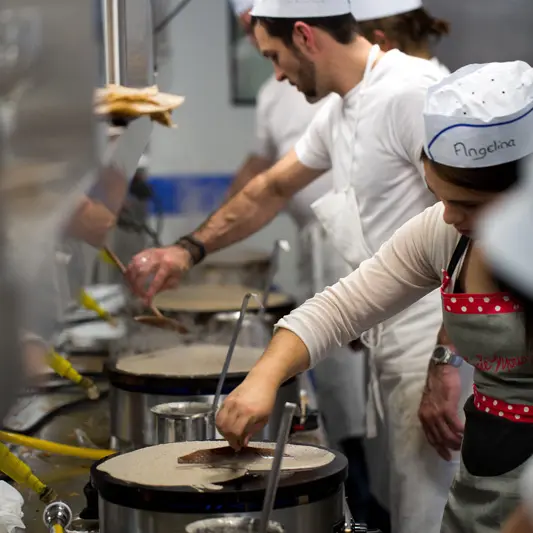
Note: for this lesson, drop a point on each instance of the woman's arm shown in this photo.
(402, 272)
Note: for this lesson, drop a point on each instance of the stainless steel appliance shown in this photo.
(132, 398)
(306, 502)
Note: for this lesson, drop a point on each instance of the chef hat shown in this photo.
(481, 116)
(376, 9)
(241, 6)
(300, 9)
(505, 233)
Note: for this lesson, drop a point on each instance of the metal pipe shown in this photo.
(114, 15)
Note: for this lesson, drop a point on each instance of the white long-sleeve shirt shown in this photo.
(406, 268)
(282, 117)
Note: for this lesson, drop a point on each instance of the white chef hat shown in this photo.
(481, 116)
(504, 232)
(376, 9)
(300, 9)
(241, 6)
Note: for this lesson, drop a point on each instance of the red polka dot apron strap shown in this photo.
(513, 412)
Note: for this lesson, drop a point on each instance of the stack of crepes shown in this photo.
(116, 100)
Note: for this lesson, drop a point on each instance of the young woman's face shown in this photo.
(462, 207)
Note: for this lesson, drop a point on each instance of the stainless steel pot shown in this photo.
(183, 421)
(306, 502)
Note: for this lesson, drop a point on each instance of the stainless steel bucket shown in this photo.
(232, 525)
(184, 421)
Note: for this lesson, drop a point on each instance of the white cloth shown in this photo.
(11, 514)
(505, 233)
(282, 116)
(300, 8)
(481, 116)
(376, 9)
(442, 68)
(373, 138)
(241, 6)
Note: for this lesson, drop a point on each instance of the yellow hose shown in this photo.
(57, 528)
(55, 448)
(91, 304)
(65, 369)
(21, 473)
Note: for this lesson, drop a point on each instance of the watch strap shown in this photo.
(195, 247)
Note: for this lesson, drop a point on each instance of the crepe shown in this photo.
(157, 466)
(213, 298)
(189, 361)
(132, 102)
(225, 455)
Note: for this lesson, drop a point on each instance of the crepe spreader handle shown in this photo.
(275, 472)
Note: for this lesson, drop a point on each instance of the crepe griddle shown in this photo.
(226, 454)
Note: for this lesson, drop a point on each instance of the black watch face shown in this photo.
(440, 353)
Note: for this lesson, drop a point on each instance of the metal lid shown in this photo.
(182, 410)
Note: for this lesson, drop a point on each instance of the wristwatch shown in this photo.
(195, 248)
(442, 355)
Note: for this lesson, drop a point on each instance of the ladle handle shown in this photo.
(118, 263)
(275, 471)
(231, 348)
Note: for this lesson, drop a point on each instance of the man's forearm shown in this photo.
(252, 167)
(241, 216)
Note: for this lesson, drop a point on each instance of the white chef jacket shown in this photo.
(283, 115)
(373, 140)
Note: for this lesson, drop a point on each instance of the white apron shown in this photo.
(340, 378)
(415, 482)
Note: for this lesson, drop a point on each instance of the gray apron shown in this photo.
(487, 330)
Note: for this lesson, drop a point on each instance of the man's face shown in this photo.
(289, 63)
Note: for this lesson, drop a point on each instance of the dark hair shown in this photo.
(488, 179)
(410, 29)
(342, 28)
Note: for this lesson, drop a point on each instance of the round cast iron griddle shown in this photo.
(242, 495)
(204, 297)
(173, 386)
